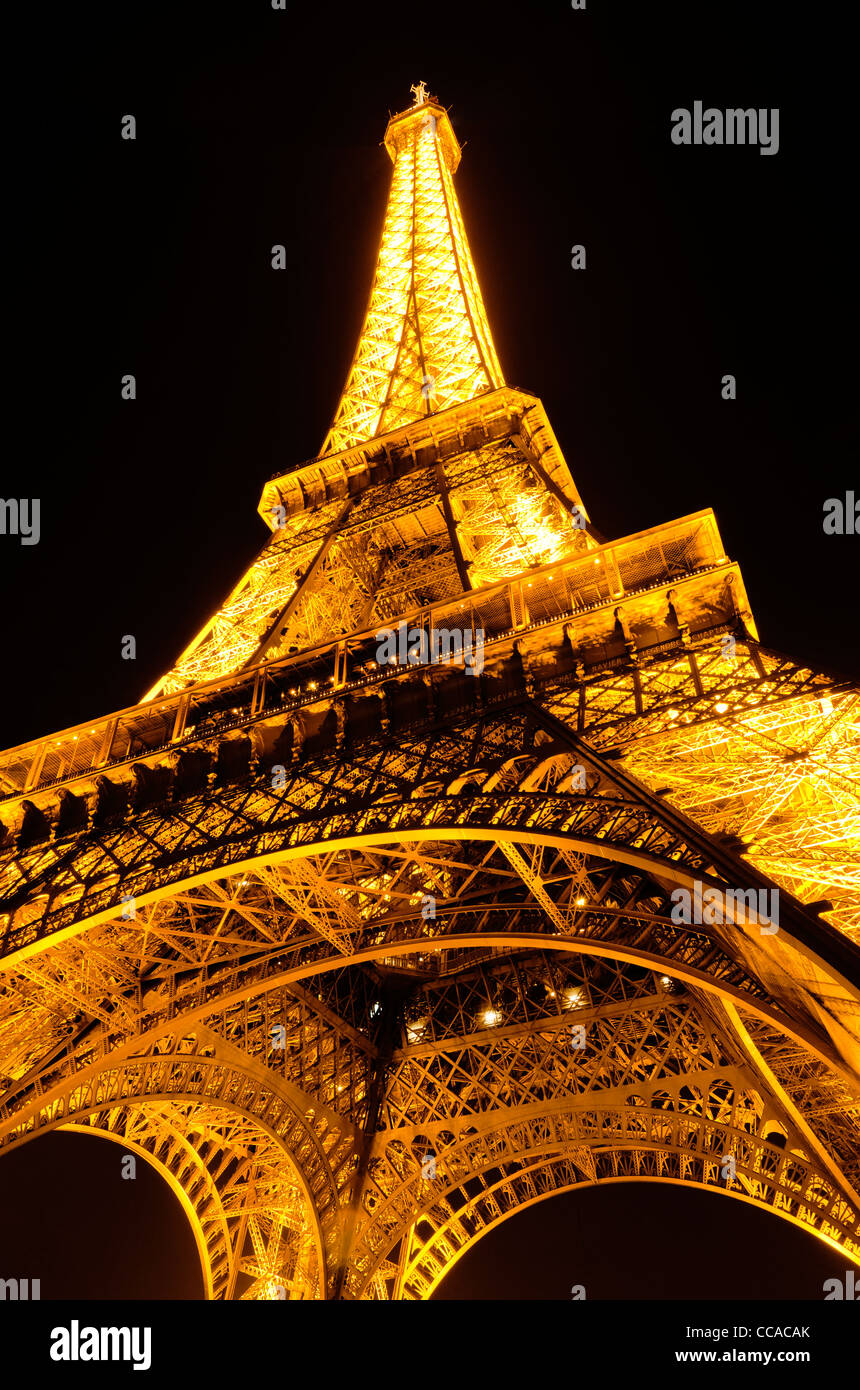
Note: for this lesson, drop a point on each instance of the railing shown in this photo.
(551, 594)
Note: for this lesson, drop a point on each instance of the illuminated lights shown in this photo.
(426, 318)
(416, 1029)
(724, 771)
(424, 260)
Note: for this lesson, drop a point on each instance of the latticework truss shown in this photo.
(367, 956)
(425, 343)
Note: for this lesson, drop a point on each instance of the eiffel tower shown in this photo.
(439, 873)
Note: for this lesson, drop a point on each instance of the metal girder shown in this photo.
(298, 924)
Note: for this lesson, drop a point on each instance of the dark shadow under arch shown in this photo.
(72, 1221)
(643, 1241)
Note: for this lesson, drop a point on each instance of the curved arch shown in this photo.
(215, 1002)
(586, 1143)
(172, 1182)
(661, 853)
(53, 1116)
(562, 824)
(573, 1187)
(503, 942)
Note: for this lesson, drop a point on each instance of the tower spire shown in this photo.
(425, 343)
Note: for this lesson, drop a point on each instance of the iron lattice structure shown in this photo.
(321, 938)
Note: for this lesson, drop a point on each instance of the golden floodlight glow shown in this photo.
(288, 1058)
(426, 321)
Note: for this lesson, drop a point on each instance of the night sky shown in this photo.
(258, 127)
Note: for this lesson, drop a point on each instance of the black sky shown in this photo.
(258, 127)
